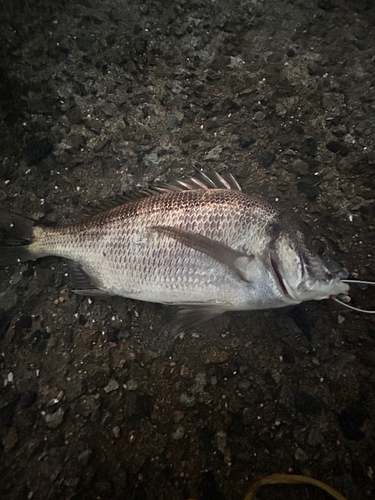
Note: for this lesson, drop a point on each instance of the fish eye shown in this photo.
(319, 247)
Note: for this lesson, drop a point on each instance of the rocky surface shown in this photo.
(99, 97)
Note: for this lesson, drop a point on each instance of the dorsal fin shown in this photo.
(200, 180)
(217, 181)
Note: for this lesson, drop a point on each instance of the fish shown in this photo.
(201, 244)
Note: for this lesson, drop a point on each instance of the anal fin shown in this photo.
(82, 283)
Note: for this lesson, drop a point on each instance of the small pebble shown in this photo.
(214, 154)
(259, 116)
(213, 354)
(201, 378)
(280, 110)
(116, 431)
(112, 385)
(315, 437)
(53, 420)
(132, 385)
(179, 432)
(222, 441)
(83, 458)
(178, 416)
(300, 455)
(188, 401)
(244, 385)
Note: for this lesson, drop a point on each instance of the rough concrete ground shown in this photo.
(99, 97)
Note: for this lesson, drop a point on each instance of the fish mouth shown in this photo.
(278, 278)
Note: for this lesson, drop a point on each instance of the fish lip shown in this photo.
(344, 294)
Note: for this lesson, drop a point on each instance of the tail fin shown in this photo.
(16, 234)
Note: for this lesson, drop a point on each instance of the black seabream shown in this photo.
(200, 243)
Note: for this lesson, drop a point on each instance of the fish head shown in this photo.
(302, 272)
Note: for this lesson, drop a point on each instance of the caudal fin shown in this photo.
(16, 234)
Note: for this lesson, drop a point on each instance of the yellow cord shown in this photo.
(291, 479)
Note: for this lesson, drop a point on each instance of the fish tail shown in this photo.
(17, 234)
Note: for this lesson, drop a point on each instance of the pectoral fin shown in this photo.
(233, 259)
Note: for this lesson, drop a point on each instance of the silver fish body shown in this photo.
(202, 244)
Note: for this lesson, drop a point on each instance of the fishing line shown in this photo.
(356, 282)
